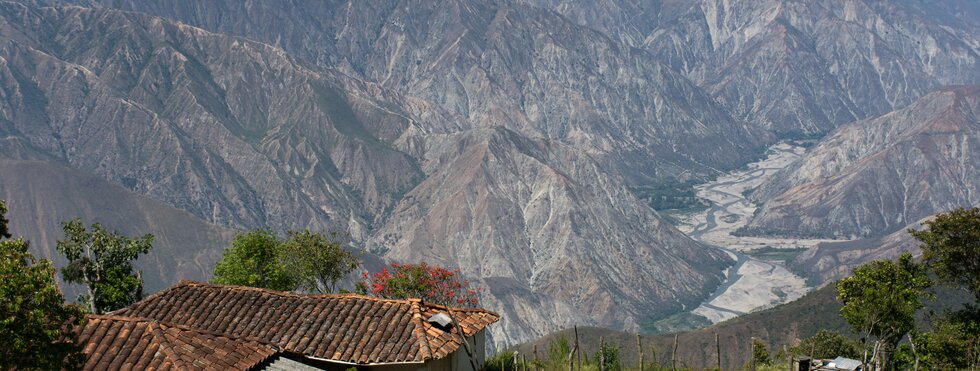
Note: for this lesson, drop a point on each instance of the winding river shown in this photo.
(752, 284)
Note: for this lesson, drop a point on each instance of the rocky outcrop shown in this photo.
(800, 67)
(241, 134)
(234, 132)
(831, 261)
(42, 194)
(499, 63)
(551, 236)
(876, 176)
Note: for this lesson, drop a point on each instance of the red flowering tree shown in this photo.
(431, 283)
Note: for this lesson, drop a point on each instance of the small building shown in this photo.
(286, 331)
(114, 342)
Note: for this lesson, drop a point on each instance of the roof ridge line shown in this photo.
(422, 339)
(166, 347)
(341, 295)
(185, 328)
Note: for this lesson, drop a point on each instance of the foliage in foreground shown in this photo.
(36, 326)
(315, 261)
(307, 261)
(102, 261)
(951, 248)
(432, 283)
(880, 302)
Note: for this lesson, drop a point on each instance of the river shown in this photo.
(752, 284)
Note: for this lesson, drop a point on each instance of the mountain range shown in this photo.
(505, 138)
(875, 176)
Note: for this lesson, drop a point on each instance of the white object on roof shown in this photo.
(846, 363)
(441, 319)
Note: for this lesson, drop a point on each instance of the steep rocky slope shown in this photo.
(829, 262)
(501, 63)
(241, 134)
(800, 67)
(234, 132)
(553, 238)
(42, 194)
(875, 176)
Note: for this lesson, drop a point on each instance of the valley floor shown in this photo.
(753, 283)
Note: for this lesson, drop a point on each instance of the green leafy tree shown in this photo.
(951, 247)
(828, 344)
(37, 327)
(502, 361)
(946, 347)
(316, 262)
(102, 261)
(253, 260)
(881, 299)
(760, 355)
(4, 231)
(607, 357)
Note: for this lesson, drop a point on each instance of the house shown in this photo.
(114, 342)
(304, 332)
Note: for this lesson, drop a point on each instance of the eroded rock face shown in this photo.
(829, 262)
(550, 246)
(800, 67)
(875, 176)
(506, 64)
(241, 134)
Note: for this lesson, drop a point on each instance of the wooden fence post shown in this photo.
(639, 348)
(718, 351)
(571, 356)
(534, 362)
(602, 354)
(790, 357)
(578, 349)
(673, 355)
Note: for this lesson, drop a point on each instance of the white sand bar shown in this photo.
(756, 284)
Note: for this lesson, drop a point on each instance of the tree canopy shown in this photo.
(309, 261)
(37, 327)
(428, 282)
(4, 232)
(101, 260)
(253, 260)
(881, 299)
(316, 262)
(951, 247)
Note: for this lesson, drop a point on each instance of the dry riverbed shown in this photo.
(752, 284)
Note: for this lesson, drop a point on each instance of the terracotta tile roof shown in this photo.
(113, 343)
(346, 327)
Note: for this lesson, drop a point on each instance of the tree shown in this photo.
(4, 232)
(829, 344)
(429, 282)
(760, 355)
(37, 328)
(951, 247)
(607, 357)
(946, 347)
(102, 261)
(253, 260)
(316, 262)
(881, 299)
